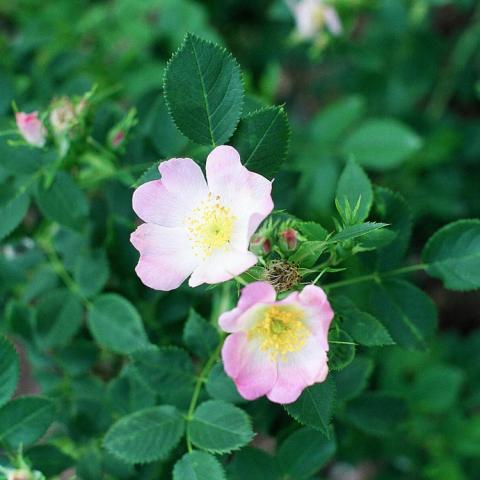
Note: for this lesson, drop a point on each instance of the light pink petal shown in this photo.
(252, 370)
(166, 258)
(183, 177)
(169, 201)
(298, 371)
(248, 194)
(253, 294)
(320, 314)
(221, 266)
(153, 203)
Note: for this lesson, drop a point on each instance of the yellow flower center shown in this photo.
(210, 226)
(281, 331)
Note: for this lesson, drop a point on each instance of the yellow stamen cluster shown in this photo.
(281, 331)
(210, 226)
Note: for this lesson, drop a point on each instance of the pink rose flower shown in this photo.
(31, 128)
(197, 227)
(279, 348)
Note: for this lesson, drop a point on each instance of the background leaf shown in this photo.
(13, 208)
(199, 336)
(219, 427)
(408, 313)
(116, 325)
(314, 407)
(382, 144)
(63, 201)
(146, 435)
(9, 370)
(25, 419)
(304, 453)
(453, 255)
(198, 466)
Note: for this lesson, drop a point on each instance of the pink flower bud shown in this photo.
(260, 245)
(118, 138)
(31, 128)
(289, 238)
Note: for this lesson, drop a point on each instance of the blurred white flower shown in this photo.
(312, 16)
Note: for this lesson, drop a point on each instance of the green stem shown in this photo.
(57, 265)
(198, 387)
(376, 276)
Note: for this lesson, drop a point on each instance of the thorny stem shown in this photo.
(376, 276)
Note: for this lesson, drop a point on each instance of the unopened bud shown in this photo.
(260, 245)
(62, 115)
(289, 239)
(31, 128)
(19, 475)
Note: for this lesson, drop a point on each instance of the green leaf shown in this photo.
(50, 460)
(168, 371)
(308, 253)
(9, 370)
(59, 317)
(262, 140)
(116, 325)
(333, 121)
(362, 326)
(304, 453)
(253, 464)
(355, 189)
(22, 159)
(391, 208)
(312, 230)
(314, 407)
(129, 393)
(145, 436)
(204, 91)
(453, 255)
(200, 336)
(221, 387)
(13, 208)
(408, 313)
(25, 419)
(353, 379)
(382, 144)
(219, 427)
(91, 272)
(63, 201)
(198, 466)
(354, 231)
(377, 413)
(436, 389)
(342, 349)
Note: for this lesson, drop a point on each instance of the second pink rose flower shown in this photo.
(277, 348)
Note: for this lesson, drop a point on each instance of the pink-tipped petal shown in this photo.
(319, 312)
(253, 294)
(165, 256)
(153, 203)
(252, 370)
(298, 371)
(221, 266)
(184, 178)
(248, 194)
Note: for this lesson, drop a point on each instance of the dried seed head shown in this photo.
(282, 275)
